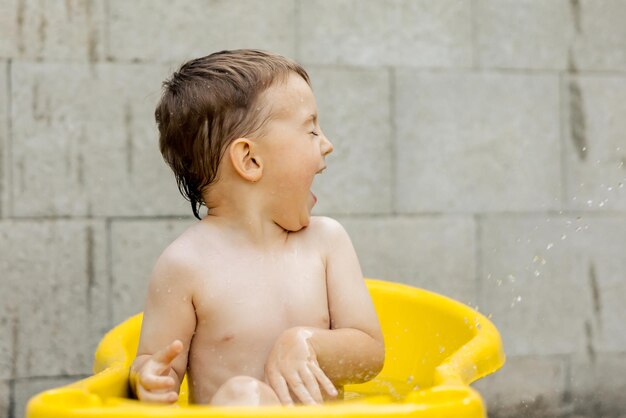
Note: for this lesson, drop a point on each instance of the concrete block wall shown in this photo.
(480, 152)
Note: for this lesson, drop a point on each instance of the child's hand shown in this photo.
(154, 382)
(292, 365)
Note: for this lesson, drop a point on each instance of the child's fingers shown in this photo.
(147, 396)
(278, 383)
(167, 354)
(152, 382)
(310, 382)
(321, 377)
(299, 389)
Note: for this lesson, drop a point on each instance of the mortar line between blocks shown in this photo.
(564, 204)
(478, 254)
(107, 31)
(393, 141)
(7, 207)
(109, 264)
(11, 408)
(567, 385)
(296, 34)
(474, 46)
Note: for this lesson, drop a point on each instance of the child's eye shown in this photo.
(314, 133)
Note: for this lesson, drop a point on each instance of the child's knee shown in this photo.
(244, 391)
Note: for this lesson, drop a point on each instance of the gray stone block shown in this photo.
(600, 37)
(433, 253)
(25, 389)
(602, 247)
(56, 31)
(93, 153)
(594, 110)
(5, 396)
(8, 333)
(355, 116)
(532, 34)
(54, 296)
(180, 30)
(555, 287)
(596, 388)
(477, 142)
(136, 245)
(431, 33)
(525, 386)
(7, 28)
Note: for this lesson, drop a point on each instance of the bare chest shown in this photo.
(255, 298)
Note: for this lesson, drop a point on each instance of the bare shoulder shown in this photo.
(183, 260)
(325, 227)
(327, 234)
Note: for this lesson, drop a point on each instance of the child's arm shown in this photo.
(168, 324)
(352, 351)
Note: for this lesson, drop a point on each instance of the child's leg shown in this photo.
(244, 391)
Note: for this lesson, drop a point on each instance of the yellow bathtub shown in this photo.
(435, 347)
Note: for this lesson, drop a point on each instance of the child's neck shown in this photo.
(244, 213)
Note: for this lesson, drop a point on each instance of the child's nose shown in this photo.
(327, 146)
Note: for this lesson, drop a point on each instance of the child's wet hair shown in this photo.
(208, 103)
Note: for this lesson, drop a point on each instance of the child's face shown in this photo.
(293, 148)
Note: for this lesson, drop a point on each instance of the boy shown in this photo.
(259, 302)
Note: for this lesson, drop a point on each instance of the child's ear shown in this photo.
(246, 163)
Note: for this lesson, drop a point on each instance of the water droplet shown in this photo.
(563, 236)
(518, 299)
(410, 379)
(169, 290)
(442, 348)
(511, 278)
(589, 203)
(549, 246)
(601, 204)
(537, 273)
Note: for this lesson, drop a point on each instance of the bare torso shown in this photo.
(246, 299)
